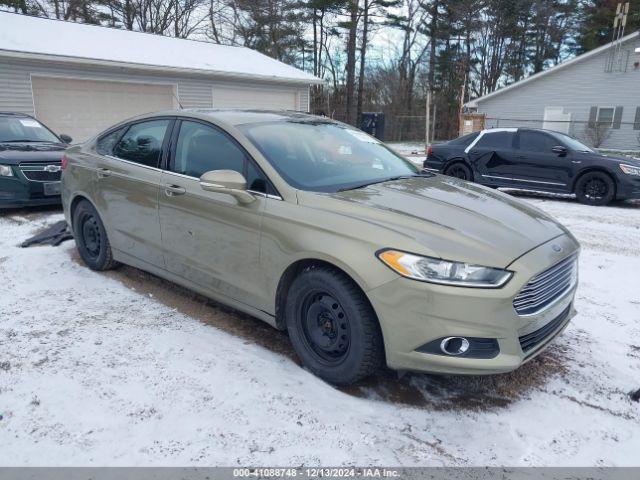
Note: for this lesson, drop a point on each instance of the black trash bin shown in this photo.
(373, 124)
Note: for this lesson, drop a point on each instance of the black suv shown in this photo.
(30, 161)
(536, 159)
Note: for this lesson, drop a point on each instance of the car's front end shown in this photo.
(470, 330)
(628, 179)
(30, 162)
(483, 281)
(30, 178)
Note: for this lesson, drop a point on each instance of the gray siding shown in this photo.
(576, 88)
(193, 92)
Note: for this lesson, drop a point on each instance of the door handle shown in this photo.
(104, 172)
(171, 190)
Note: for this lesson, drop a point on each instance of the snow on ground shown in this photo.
(123, 368)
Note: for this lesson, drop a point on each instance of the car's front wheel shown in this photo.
(91, 238)
(595, 188)
(332, 326)
(459, 170)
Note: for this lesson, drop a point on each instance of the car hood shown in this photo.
(612, 158)
(15, 153)
(449, 218)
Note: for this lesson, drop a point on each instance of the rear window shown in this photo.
(496, 140)
(465, 140)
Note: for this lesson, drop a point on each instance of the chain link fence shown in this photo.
(624, 136)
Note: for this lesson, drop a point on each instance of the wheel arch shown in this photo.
(593, 169)
(75, 200)
(296, 268)
(459, 159)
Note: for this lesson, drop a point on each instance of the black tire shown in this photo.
(332, 326)
(595, 188)
(459, 170)
(91, 238)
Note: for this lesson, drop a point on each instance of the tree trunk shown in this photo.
(351, 62)
(363, 53)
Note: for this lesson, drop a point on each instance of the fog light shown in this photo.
(454, 345)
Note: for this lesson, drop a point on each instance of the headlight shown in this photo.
(436, 270)
(6, 171)
(629, 169)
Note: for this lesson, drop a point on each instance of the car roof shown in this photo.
(518, 129)
(14, 114)
(237, 117)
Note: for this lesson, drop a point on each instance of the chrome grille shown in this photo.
(546, 287)
(42, 171)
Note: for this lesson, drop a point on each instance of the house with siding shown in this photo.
(79, 79)
(594, 97)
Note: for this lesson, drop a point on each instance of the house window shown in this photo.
(605, 115)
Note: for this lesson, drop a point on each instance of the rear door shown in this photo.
(538, 165)
(128, 184)
(209, 238)
(491, 156)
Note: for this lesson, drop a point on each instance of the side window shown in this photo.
(496, 140)
(201, 148)
(143, 142)
(531, 141)
(105, 144)
(257, 181)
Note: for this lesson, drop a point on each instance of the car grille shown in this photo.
(38, 172)
(546, 287)
(533, 339)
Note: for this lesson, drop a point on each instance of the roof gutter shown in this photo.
(156, 68)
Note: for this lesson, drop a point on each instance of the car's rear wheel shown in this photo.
(91, 238)
(459, 170)
(332, 326)
(595, 188)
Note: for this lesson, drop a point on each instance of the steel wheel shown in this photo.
(325, 327)
(91, 236)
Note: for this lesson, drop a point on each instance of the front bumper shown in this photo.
(18, 191)
(413, 314)
(628, 187)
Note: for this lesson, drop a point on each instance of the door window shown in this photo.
(201, 148)
(143, 143)
(496, 140)
(531, 141)
(106, 143)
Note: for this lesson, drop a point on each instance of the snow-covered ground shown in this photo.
(123, 368)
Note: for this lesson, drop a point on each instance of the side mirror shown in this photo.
(560, 150)
(66, 138)
(227, 181)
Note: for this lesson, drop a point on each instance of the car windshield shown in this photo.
(24, 129)
(572, 143)
(326, 157)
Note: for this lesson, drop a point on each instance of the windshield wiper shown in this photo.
(22, 140)
(383, 180)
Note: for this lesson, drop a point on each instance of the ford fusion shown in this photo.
(30, 156)
(323, 231)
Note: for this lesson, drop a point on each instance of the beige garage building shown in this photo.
(79, 79)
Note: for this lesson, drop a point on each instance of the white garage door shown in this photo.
(82, 108)
(259, 98)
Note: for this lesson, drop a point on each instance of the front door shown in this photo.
(538, 164)
(209, 238)
(128, 186)
(491, 157)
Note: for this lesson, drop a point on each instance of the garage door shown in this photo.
(260, 98)
(82, 108)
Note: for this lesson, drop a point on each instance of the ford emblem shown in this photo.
(52, 168)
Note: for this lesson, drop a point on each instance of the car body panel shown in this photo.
(238, 253)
